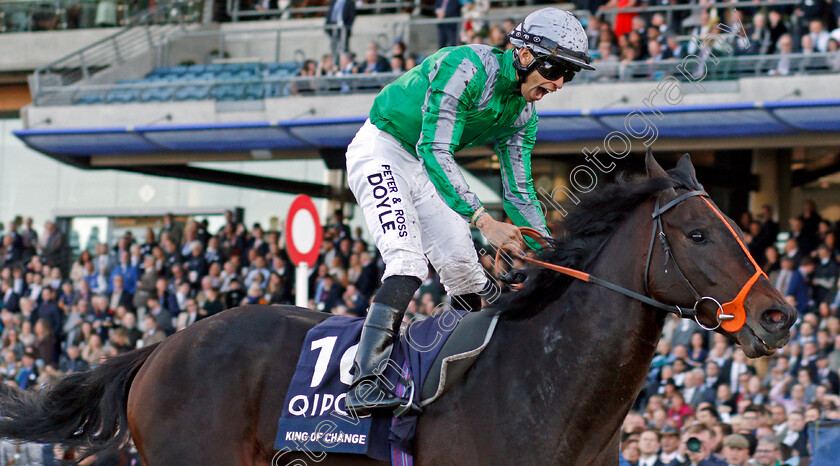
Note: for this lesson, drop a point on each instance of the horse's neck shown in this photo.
(588, 353)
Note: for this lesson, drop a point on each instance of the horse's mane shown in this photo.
(582, 233)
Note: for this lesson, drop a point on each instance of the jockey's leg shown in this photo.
(380, 174)
(448, 245)
(470, 302)
(368, 390)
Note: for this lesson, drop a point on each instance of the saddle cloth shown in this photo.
(314, 419)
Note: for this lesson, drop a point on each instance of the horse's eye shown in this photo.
(697, 236)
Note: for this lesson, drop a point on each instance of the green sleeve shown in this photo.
(520, 199)
(455, 85)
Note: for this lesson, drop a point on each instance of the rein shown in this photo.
(731, 316)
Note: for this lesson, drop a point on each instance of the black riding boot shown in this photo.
(368, 391)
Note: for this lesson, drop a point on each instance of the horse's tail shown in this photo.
(86, 410)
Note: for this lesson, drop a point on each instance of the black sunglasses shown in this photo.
(555, 69)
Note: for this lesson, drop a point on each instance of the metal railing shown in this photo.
(697, 6)
(727, 68)
(288, 9)
(694, 10)
(401, 28)
(272, 42)
(43, 15)
(142, 34)
(33, 15)
(272, 39)
(225, 90)
(257, 88)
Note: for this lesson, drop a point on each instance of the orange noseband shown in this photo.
(735, 307)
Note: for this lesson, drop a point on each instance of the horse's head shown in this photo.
(710, 268)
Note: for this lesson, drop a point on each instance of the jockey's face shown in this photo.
(536, 86)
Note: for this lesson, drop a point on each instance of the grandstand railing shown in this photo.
(289, 10)
(275, 35)
(727, 68)
(225, 90)
(695, 8)
(31, 15)
(257, 88)
(416, 7)
(698, 6)
(141, 34)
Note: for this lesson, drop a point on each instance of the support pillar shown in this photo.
(764, 165)
(784, 190)
(773, 168)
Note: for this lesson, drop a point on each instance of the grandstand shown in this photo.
(113, 114)
(163, 91)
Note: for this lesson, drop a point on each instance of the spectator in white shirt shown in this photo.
(819, 35)
(648, 448)
(778, 416)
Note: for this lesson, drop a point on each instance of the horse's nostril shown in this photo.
(774, 315)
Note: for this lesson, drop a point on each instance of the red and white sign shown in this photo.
(303, 231)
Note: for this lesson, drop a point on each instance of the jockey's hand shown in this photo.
(501, 235)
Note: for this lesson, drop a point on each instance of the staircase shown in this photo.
(141, 38)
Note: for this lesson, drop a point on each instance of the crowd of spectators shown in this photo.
(60, 316)
(397, 61)
(702, 396)
(657, 39)
(741, 411)
(24, 16)
(809, 28)
(616, 39)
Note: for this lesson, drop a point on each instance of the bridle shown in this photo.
(731, 316)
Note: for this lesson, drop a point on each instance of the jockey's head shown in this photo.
(553, 43)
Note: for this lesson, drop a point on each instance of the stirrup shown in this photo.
(397, 405)
(410, 407)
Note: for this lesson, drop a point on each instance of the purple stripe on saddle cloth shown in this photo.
(421, 342)
(398, 456)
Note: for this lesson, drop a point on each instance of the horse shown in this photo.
(565, 365)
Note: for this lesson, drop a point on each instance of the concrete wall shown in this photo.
(196, 49)
(259, 39)
(31, 50)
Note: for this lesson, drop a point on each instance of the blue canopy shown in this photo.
(740, 119)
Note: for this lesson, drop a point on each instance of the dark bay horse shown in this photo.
(563, 369)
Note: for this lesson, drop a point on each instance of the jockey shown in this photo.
(417, 205)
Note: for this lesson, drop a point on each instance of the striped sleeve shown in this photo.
(520, 199)
(455, 84)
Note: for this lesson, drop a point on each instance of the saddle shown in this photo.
(465, 344)
(318, 387)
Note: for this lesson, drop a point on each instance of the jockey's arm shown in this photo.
(456, 85)
(520, 198)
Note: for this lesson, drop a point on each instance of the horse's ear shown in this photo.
(685, 165)
(652, 166)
